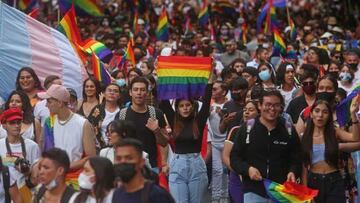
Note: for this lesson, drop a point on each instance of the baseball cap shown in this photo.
(11, 115)
(58, 92)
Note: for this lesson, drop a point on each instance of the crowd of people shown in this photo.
(262, 116)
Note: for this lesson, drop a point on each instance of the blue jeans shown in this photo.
(188, 178)
(356, 159)
(250, 197)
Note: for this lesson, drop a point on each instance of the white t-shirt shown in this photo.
(69, 136)
(109, 153)
(217, 138)
(288, 96)
(252, 63)
(90, 199)
(29, 132)
(109, 116)
(41, 112)
(3, 132)
(32, 154)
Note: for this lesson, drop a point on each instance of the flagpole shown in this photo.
(287, 12)
(58, 14)
(15, 3)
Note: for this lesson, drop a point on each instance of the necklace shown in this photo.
(67, 120)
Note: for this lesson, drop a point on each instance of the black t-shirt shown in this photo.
(232, 106)
(295, 107)
(155, 194)
(145, 135)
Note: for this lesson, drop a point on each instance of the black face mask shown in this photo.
(327, 96)
(125, 171)
(334, 74)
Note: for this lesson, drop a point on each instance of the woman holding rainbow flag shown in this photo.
(320, 144)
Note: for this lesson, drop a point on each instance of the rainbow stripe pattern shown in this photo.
(162, 30)
(101, 51)
(83, 7)
(264, 12)
(100, 73)
(204, 14)
(279, 44)
(49, 132)
(182, 76)
(68, 26)
(343, 109)
(27, 5)
(293, 31)
(289, 192)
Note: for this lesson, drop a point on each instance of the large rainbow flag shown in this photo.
(83, 7)
(182, 76)
(343, 109)
(68, 26)
(28, 42)
(289, 192)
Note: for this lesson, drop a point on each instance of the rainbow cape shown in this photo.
(204, 14)
(100, 73)
(289, 192)
(182, 76)
(343, 109)
(83, 7)
(162, 30)
(279, 44)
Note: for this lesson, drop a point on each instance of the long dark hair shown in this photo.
(33, 75)
(28, 116)
(179, 121)
(124, 128)
(97, 87)
(331, 143)
(268, 66)
(104, 174)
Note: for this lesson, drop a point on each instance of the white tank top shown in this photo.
(69, 136)
(29, 132)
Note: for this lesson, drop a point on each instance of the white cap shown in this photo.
(337, 29)
(140, 21)
(165, 51)
(326, 35)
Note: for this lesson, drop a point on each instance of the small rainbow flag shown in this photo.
(100, 73)
(49, 132)
(83, 7)
(27, 5)
(244, 31)
(265, 10)
(293, 31)
(101, 51)
(135, 22)
(289, 192)
(68, 26)
(279, 44)
(182, 76)
(162, 30)
(204, 14)
(343, 109)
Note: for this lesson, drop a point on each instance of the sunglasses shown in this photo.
(308, 83)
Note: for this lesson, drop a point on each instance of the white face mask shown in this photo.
(84, 182)
(52, 185)
(331, 46)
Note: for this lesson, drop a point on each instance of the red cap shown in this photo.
(11, 115)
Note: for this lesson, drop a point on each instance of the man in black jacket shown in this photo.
(266, 148)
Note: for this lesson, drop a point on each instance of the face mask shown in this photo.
(345, 76)
(84, 182)
(334, 74)
(125, 171)
(264, 75)
(121, 82)
(327, 96)
(309, 89)
(331, 46)
(52, 185)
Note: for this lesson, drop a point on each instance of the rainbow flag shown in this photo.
(188, 26)
(343, 109)
(182, 76)
(289, 192)
(68, 26)
(244, 31)
(212, 32)
(279, 44)
(135, 22)
(27, 5)
(224, 7)
(130, 53)
(83, 7)
(293, 31)
(100, 73)
(101, 51)
(264, 12)
(162, 30)
(49, 132)
(204, 14)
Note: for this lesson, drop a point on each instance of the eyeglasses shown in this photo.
(273, 106)
(308, 83)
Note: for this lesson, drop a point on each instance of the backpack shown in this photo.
(250, 125)
(151, 109)
(6, 182)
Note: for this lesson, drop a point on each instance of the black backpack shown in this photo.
(69, 191)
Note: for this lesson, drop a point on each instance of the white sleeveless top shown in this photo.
(29, 132)
(69, 136)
